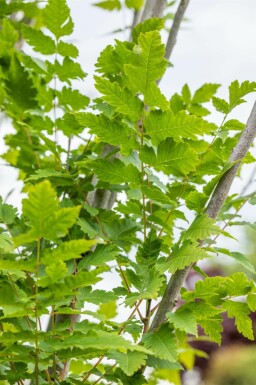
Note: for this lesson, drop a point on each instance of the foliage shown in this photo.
(165, 158)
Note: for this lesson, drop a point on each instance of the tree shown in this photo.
(74, 228)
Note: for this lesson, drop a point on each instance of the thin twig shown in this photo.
(172, 38)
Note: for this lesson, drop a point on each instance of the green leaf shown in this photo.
(213, 329)
(8, 37)
(183, 320)
(7, 213)
(239, 257)
(108, 310)
(149, 251)
(121, 99)
(205, 93)
(100, 341)
(220, 105)
(40, 205)
(72, 98)
(107, 130)
(162, 342)
(56, 270)
(201, 228)
(46, 219)
(100, 256)
(238, 284)
(38, 40)
(147, 282)
(57, 18)
(109, 5)
(152, 24)
(81, 279)
(161, 125)
(154, 98)
(186, 94)
(196, 201)
(129, 362)
(212, 290)
(148, 63)
(116, 172)
(96, 296)
(20, 87)
(5, 243)
(171, 158)
(185, 255)
(238, 91)
(241, 313)
(67, 49)
(68, 70)
(68, 250)
(155, 194)
(251, 301)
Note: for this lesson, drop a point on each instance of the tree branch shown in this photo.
(172, 38)
(153, 8)
(217, 199)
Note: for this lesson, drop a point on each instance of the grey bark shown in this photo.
(153, 8)
(217, 199)
(172, 38)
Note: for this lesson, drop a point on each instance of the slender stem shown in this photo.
(172, 38)
(36, 312)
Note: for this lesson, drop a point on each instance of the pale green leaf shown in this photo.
(108, 310)
(57, 18)
(149, 251)
(152, 24)
(238, 91)
(155, 194)
(153, 97)
(162, 342)
(72, 98)
(239, 257)
(121, 99)
(213, 329)
(107, 130)
(251, 301)
(171, 158)
(68, 70)
(205, 93)
(241, 313)
(38, 40)
(100, 256)
(116, 172)
(148, 62)
(67, 49)
(129, 362)
(7, 213)
(201, 228)
(183, 320)
(6, 243)
(108, 5)
(185, 255)
(161, 125)
(67, 250)
(220, 105)
(8, 37)
(196, 201)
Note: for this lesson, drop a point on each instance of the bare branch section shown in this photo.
(172, 38)
(153, 8)
(218, 198)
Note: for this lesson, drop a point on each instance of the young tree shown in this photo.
(165, 158)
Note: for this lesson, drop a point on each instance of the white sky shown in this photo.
(216, 44)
